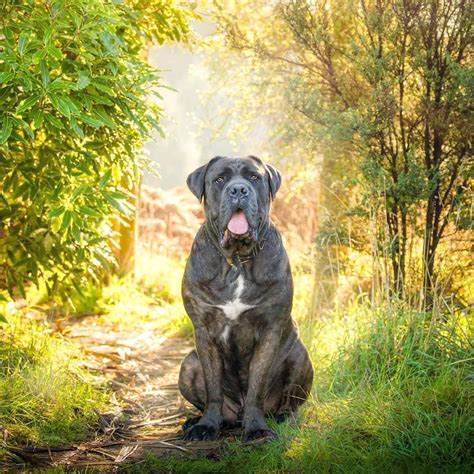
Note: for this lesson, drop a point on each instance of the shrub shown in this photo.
(78, 101)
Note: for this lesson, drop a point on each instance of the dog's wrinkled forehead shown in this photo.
(233, 167)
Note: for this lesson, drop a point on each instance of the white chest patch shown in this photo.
(235, 307)
(225, 333)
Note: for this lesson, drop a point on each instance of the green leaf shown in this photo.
(47, 35)
(3, 319)
(44, 72)
(103, 262)
(54, 121)
(28, 103)
(38, 56)
(76, 232)
(27, 83)
(90, 121)
(78, 191)
(6, 77)
(105, 179)
(113, 68)
(56, 212)
(88, 211)
(66, 220)
(66, 102)
(117, 195)
(60, 85)
(38, 117)
(110, 41)
(21, 190)
(8, 33)
(104, 88)
(60, 105)
(23, 43)
(114, 203)
(82, 82)
(105, 117)
(56, 53)
(20, 286)
(27, 128)
(6, 129)
(76, 129)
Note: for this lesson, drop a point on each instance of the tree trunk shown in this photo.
(124, 248)
(326, 262)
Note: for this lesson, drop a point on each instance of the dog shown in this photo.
(237, 289)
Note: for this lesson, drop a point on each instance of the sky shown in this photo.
(186, 145)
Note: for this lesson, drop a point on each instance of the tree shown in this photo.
(77, 102)
(390, 81)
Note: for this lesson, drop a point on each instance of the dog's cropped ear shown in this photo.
(196, 180)
(274, 179)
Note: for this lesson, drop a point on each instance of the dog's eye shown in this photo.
(219, 180)
(255, 177)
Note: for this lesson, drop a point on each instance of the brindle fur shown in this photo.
(258, 365)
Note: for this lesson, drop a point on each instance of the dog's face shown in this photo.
(237, 194)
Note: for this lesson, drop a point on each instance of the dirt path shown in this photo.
(142, 373)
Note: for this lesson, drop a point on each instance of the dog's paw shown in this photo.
(288, 416)
(262, 433)
(199, 432)
(191, 421)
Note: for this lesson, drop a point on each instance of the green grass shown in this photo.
(393, 392)
(153, 298)
(45, 396)
(393, 388)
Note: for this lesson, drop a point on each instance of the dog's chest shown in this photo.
(231, 310)
(235, 306)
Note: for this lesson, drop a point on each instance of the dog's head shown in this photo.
(237, 193)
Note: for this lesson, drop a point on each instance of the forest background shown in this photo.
(365, 106)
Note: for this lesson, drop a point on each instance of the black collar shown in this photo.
(236, 259)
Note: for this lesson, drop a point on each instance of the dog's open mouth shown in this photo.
(237, 228)
(238, 224)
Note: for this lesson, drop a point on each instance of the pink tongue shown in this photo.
(238, 223)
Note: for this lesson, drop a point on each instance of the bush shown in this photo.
(78, 101)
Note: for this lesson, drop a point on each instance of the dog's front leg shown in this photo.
(254, 419)
(209, 425)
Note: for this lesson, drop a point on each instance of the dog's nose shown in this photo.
(239, 190)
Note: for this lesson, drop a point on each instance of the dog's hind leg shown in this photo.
(291, 385)
(191, 381)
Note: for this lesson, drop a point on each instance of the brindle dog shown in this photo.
(238, 291)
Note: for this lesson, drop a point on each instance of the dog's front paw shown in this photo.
(190, 422)
(200, 432)
(260, 433)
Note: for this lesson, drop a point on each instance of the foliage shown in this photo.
(382, 91)
(78, 101)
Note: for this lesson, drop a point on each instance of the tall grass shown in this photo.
(45, 396)
(393, 392)
(397, 391)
